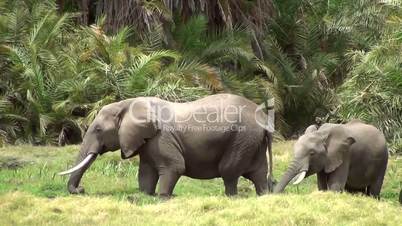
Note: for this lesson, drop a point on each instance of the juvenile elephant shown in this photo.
(351, 157)
(217, 136)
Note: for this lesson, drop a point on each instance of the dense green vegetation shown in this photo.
(32, 194)
(61, 61)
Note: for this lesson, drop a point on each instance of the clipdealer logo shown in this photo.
(222, 117)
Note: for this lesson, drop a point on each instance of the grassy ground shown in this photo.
(32, 194)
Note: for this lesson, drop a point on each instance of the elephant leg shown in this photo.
(147, 178)
(231, 166)
(355, 190)
(260, 181)
(322, 179)
(337, 179)
(167, 181)
(375, 188)
(230, 186)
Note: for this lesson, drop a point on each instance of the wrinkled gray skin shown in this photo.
(166, 155)
(351, 157)
(311, 128)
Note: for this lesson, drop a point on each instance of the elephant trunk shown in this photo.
(86, 158)
(291, 172)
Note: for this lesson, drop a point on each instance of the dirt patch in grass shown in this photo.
(13, 162)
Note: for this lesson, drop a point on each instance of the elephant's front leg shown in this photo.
(167, 180)
(337, 179)
(169, 162)
(147, 178)
(322, 179)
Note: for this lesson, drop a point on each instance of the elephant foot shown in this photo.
(165, 197)
(76, 190)
(147, 192)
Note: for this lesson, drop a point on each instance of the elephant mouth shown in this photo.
(102, 150)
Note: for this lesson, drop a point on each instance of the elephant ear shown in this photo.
(311, 129)
(135, 125)
(337, 145)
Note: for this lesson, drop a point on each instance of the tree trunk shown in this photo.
(83, 6)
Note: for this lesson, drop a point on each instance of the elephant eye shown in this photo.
(312, 152)
(98, 129)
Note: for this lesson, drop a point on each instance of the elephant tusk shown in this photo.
(79, 166)
(300, 177)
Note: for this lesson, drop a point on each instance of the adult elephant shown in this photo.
(218, 136)
(350, 157)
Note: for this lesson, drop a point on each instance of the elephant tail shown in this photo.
(270, 160)
(269, 129)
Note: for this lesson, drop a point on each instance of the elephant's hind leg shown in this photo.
(230, 174)
(260, 181)
(355, 190)
(233, 164)
(375, 188)
(147, 178)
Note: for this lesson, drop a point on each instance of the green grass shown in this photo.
(32, 194)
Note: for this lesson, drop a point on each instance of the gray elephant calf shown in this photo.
(351, 157)
(217, 136)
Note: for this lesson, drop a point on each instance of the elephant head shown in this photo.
(321, 150)
(123, 125)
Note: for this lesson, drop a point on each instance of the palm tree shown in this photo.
(373, 90)
(56, 76)
(307, 42)
(144, 16)
(59, 77)
(33, 64)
